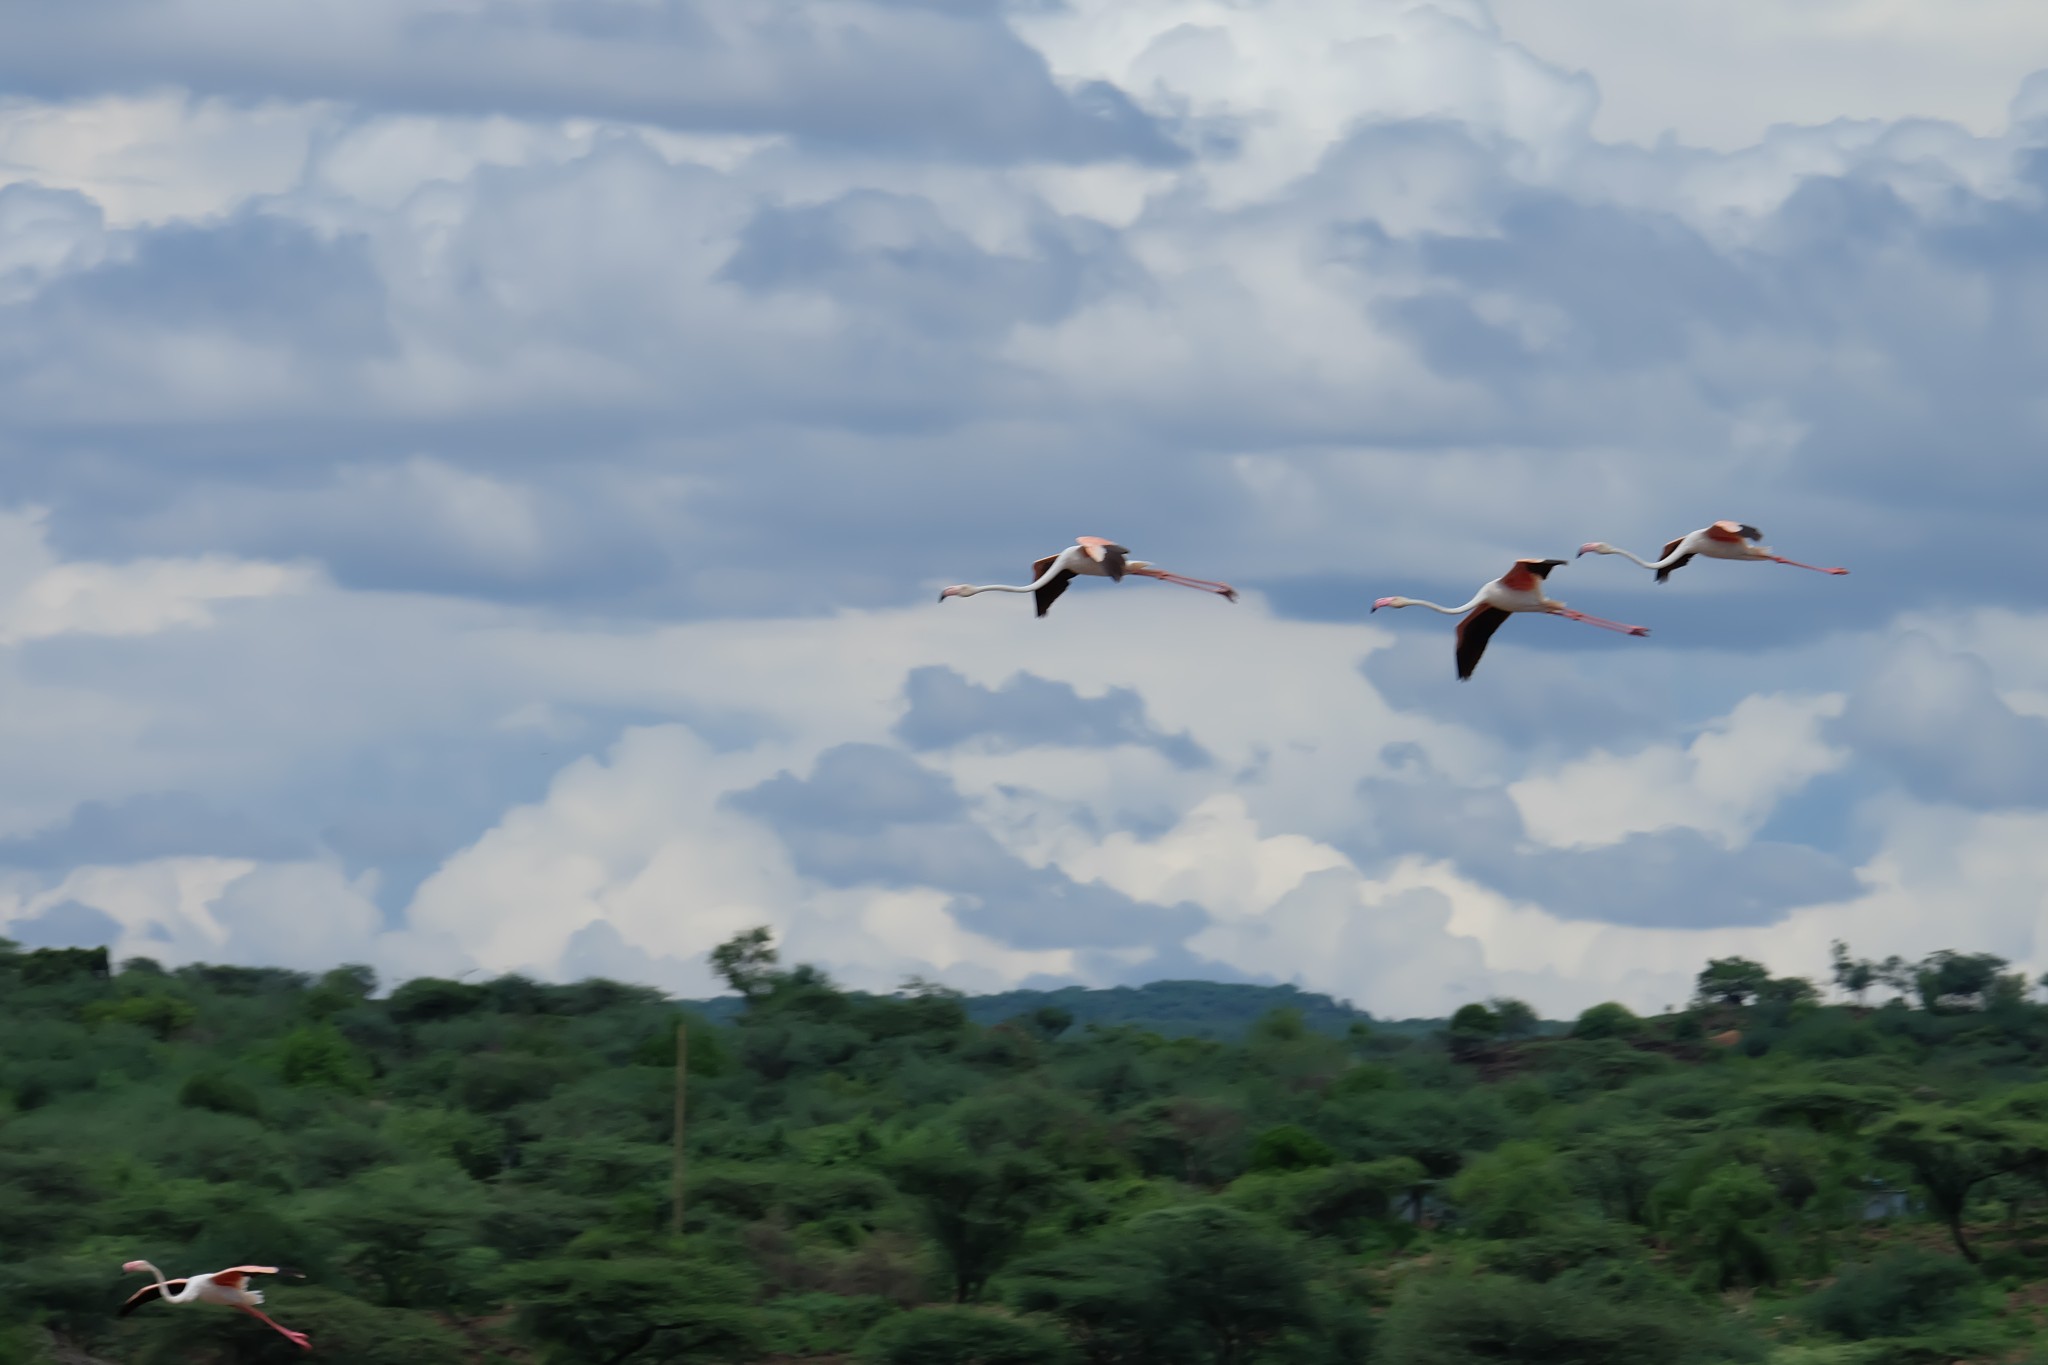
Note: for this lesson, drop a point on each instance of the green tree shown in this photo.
(1950, 982)
(1490, 1320)
(606, 1311)
(1953, 1150)
(1853, 977)
(1723, 1227)
(1515, 1190)
(1731, 981)
(747, 962)
(1608, 1020)
(961, 1336)
(1517, 1019)
(975, 1207)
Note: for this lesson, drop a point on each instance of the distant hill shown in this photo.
(1173, 1009)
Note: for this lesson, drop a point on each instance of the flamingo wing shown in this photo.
(1473, 633)
(1050, 593)
(1679, 563)
(145, 1294)
(234, 1277)
(1732, 531)
(1110, 555)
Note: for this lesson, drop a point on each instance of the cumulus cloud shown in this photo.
(910, 77)
(495, 504)
(1934, 718)
(945, 709)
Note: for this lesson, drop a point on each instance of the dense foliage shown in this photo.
(482, 1171)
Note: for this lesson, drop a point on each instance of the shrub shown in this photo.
(1898, 1294)
(1609, 1020)
(961, 1336)
(222, 1092)
(1487, 1319)
(1289, 1148)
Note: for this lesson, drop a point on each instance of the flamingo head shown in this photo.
(1389, 602)
(1595, 547)
(132, 1266)
(957, 590)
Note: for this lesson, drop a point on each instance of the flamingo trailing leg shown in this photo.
(1519, 589)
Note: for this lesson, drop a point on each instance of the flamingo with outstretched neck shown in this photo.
(1091, 556)
(1722, 540)
(227, 1287)
(1519, 589)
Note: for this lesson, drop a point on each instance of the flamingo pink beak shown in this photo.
(1382, 602)
(134, 1265)
(1588, 548)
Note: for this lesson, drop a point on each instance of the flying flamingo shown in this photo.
(1722, 540)
(1087, 555)
(222, 1286)
(1519, 589)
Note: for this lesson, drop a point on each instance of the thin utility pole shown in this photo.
(682, 1089)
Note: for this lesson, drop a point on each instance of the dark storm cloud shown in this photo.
(158, 825)
(946, 709)
(905, 78)
(873, 816)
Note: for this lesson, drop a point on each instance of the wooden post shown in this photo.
(682, 1088)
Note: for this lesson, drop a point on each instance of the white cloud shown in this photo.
(1725, 783)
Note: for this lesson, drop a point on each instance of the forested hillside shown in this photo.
(476, 1172)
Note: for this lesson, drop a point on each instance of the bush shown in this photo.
(1488, 1319)
(1289, 1148)
(1609, 1020)
(961, 1336)
(1899, 1294)
(222, 1092)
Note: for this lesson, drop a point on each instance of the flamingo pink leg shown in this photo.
(1601, 622)
(1780, 559)
(1202, 583)
(298, 1339)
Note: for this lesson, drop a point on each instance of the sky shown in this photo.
(476, 476)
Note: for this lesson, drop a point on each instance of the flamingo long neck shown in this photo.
(1054, 570)
(163, 1286)
(1663, 563)
(1448, 611)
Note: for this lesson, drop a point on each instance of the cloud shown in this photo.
(1723, 784)
(142, 828)
(1933, 718)
(872, 816)
(499, 501)
(66, 924)
(909, 78)
(946, 710)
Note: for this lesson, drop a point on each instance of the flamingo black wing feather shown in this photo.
(145, 1294)
(1679, 563)
(1473, 633)
(1050, 593)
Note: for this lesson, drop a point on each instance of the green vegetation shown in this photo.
(480, 1172)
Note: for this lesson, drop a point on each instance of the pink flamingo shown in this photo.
(1090, 555)
(1519, 589)
(1722, 540)
(222, 1286)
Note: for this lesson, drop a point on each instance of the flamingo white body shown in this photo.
(1519, 589)
(1093, 557)
(229, 1288)
(1722, 540)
